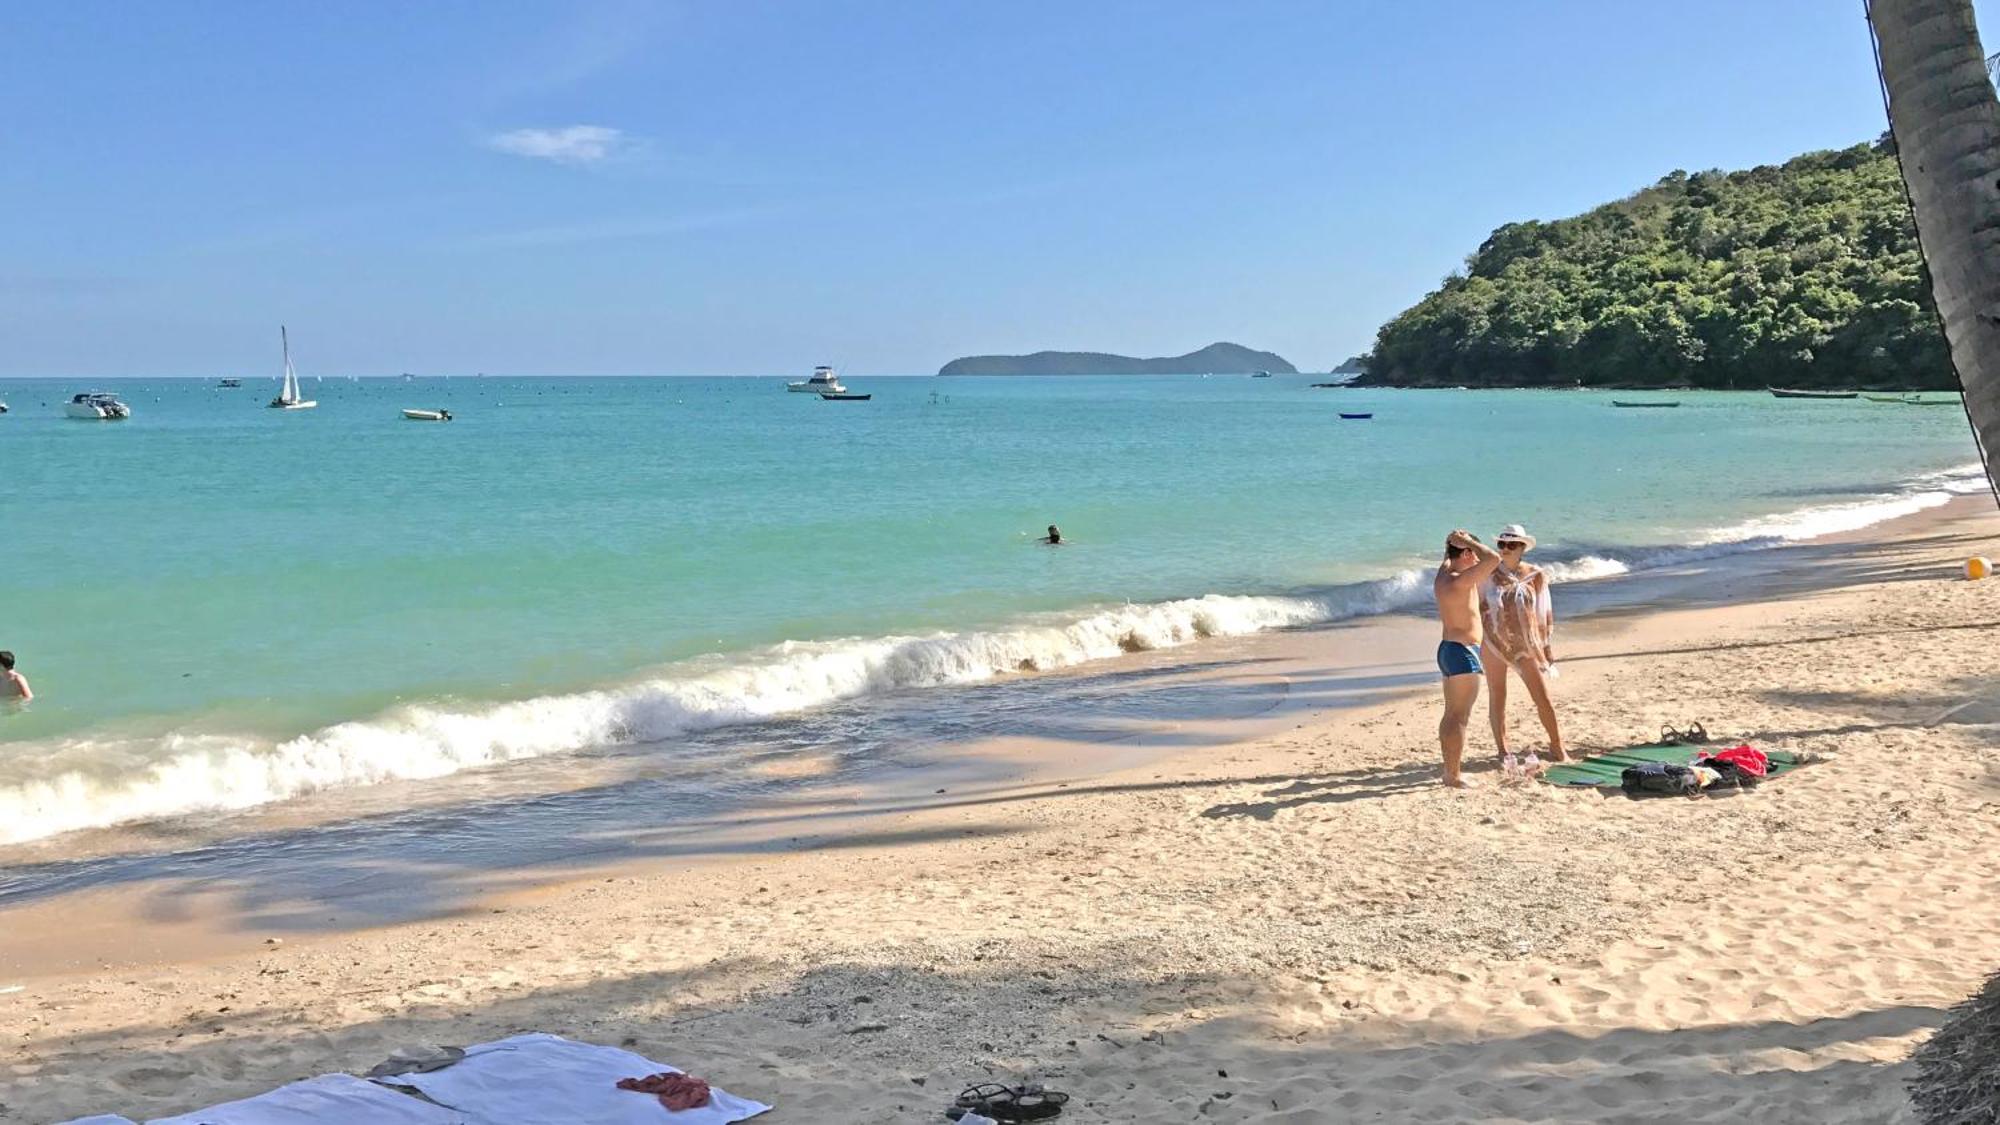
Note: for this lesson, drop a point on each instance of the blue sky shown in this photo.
(750, 187)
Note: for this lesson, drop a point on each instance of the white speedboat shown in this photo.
(824, 381)
(428, 415)
(97, 406)
(289, 398)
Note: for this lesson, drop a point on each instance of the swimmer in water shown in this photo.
(13, 685)
(1053, 538)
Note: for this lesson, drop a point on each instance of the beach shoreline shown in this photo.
(1274, 895)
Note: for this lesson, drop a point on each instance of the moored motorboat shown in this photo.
(829, 396)
(97, 406)
(228, 384)
(427, 415)
(823, 381)
(1356, 417)
(1781, 392)
(1644, 405)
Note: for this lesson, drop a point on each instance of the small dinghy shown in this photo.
(1356, 417)
(1644, 405)
(826, 396)
(427, 415)
(1782, 392)
(289, 396)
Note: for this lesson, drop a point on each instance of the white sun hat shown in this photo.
(1515, 531)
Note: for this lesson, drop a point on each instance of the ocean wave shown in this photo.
(1932, 490)
(66, 785)
(87, 783)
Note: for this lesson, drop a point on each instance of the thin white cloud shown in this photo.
(571, 144)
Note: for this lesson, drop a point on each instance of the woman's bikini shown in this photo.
(1520, 617)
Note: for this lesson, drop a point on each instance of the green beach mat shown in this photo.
(1607, 771)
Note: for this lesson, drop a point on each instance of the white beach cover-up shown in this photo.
(319, 1101)
(540, 1079)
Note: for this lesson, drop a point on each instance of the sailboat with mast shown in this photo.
(289, 398)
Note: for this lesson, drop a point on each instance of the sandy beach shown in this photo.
(1295, 926)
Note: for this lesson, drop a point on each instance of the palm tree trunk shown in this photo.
(1946, 121)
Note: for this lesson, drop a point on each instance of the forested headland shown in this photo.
(1802, 274)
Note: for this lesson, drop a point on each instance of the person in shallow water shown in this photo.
(1466, 564)
(1053, 538)
(13, 685)
(1518, 620)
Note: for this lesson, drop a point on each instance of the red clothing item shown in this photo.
(676, 1091)
(1746, 758)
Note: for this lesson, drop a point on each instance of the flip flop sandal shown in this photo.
(1008, 1103)
(1695, 733)
(1672, 737)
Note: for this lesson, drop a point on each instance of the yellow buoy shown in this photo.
(1977, 568)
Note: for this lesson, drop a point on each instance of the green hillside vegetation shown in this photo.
(1806, 274)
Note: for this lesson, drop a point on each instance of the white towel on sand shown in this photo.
(539, 1079)
(317, 1101)
(101, 1119)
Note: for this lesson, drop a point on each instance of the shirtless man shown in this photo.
(13, 685)
(1466, 564)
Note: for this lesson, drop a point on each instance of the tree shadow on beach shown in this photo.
(1965, 701)
(1787, 642)
(1334, 788)
(898, 1040)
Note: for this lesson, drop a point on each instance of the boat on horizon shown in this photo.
(1781, 392)
(1914, 398)
(1261, 375)
(1357, 417)
(427, 415)
(1644, 405)
(289, 397)
(823, 381)
(228, 384)
(97, 406)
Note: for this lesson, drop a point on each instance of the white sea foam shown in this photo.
(67, 785)
(61, 786)
(1921, 494)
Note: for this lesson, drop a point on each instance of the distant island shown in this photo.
(1804, 274)
(1352, 365)
(1219, 359)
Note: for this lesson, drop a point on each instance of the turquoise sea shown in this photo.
(222, 605)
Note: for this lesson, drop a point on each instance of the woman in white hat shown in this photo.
(1520, 622)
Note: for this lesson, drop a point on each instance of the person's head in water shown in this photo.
(6, 661)
(1055, 534)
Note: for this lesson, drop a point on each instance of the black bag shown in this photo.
(1730, 773)
(1658, 777)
